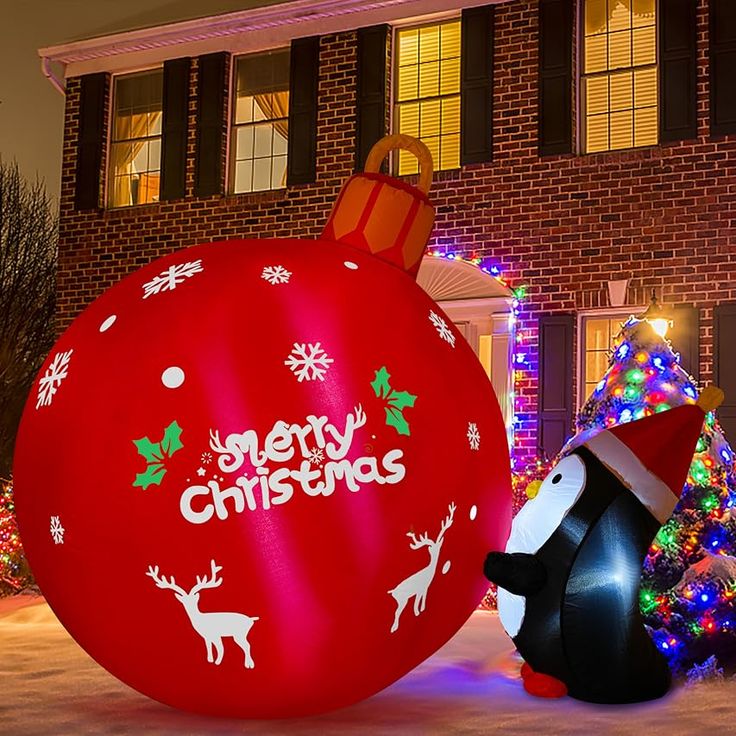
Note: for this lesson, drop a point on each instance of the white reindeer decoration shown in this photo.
(417, 585)
(212, 627)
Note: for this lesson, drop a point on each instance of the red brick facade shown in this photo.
(664, 216)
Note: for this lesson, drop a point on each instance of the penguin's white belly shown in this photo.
(511, 610)
(535, 523)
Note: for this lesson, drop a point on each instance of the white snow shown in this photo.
(50, 687)
(712, 567)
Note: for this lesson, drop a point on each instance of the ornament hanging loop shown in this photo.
(406, 143)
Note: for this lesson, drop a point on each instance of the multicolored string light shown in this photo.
(520, 357)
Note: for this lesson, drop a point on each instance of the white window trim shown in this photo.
(582, 315)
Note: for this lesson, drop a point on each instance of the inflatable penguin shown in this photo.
(569, 579)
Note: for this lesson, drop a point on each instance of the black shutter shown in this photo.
(724, 365)
(555, 76)
(91, 140)
(685, 338)
(303, 83)
(677, 70)
(555, 407)
(370, 103)
(722, 67)
(476, 85)
(174, 128)
(210, 124)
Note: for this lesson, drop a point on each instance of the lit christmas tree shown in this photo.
(689, 577)
(14, 572)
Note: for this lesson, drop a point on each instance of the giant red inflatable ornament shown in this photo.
(256, 478)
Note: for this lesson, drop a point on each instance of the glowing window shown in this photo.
(427, 92)
(135, 147)
(597, 335)
(260, 128)
(619, 81)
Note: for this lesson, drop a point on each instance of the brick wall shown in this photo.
(665, 217)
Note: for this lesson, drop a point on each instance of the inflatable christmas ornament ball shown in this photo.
(255, 477)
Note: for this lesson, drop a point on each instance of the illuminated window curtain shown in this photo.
(598, 335)
(135, 150)
(620, 74)
(427, 93)
(261, 121)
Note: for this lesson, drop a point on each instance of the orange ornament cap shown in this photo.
(387, 217)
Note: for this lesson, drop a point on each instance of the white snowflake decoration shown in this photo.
(442, 329)
(51, 380)
(276, 275)
(473, 436)
(308, 361)
(57, 530)
(201, 472)
(206, 458)
(169, 279)
(316, 456)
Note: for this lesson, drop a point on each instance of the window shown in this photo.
(260, 121)
(596, 334)
(135, 148)
(427, 93)
(619, 74)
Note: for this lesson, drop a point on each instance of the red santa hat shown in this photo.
(652, 456)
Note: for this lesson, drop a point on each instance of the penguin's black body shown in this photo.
(581, 621)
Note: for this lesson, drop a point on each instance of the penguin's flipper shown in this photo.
(517, 572)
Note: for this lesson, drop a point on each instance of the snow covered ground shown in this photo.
(48, 685)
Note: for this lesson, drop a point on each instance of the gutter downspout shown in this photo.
(49, 74)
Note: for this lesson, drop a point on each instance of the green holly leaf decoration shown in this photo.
(394, 418)
(397, 400)
(401, 400)
(150, 451)
(171, 441)
(153, 476)
(155, 454)
(380, 384)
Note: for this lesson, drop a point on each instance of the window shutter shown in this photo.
(91, 140)
(677, 70)
(555, 76)
(722, 67)
(555, 382)
(724, 364)
(174, 128)
(476, 85)
(208, 178)
(303, 83)
(685, 338)
(370, 118)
